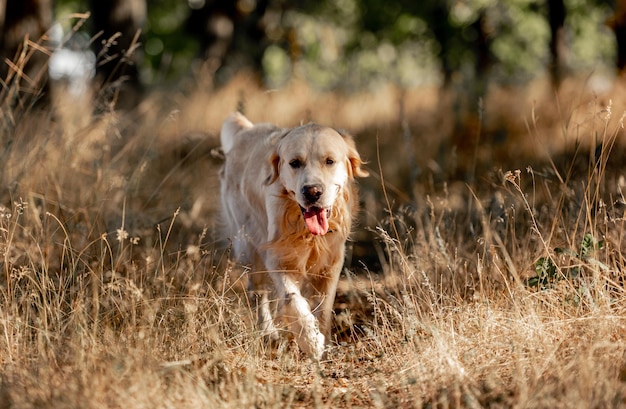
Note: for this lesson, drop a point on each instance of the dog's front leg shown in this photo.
(324, 310)
(259, 289)
(265, 322)
(295, 309)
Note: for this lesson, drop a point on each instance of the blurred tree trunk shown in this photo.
(617, 22)
(464, 85)
(23, 66)
(482, 55)
(231, 37)
(117, 27)
(556, 20)
(444, 33)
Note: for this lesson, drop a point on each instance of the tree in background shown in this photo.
(26, 44)
(116, 26)
(349, 44)
(23, 54)
(231, 34)
(556, 20)
(617, 22)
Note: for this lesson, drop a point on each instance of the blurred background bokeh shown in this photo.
(347, 45)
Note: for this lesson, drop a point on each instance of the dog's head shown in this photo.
(314, 164)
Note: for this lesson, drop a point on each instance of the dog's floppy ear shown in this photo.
(354, 159)
(275, 162)
(278, 136)
(356, 163)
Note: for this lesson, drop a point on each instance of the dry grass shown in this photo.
(114, 290)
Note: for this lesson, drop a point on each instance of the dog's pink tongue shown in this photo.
(316, 220)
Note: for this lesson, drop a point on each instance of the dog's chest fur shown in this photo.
(296, 249)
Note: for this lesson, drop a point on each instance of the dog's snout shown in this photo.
(312, 193)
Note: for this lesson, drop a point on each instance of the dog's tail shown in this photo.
(231, 126)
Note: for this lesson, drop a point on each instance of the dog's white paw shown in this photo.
(312, 343)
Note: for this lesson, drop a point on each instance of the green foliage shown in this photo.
(548, 273)
(169, 50)
(588, 245)
(591, 40)
(521, 45)
(358, 43)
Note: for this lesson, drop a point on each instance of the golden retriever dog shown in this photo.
(288, 198)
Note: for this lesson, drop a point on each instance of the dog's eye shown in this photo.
(330, 162)
(295, 163)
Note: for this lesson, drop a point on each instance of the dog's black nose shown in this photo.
(312, 193)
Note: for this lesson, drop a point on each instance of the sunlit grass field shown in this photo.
(486, 268)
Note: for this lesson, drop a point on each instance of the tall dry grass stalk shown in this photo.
(115, 290)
